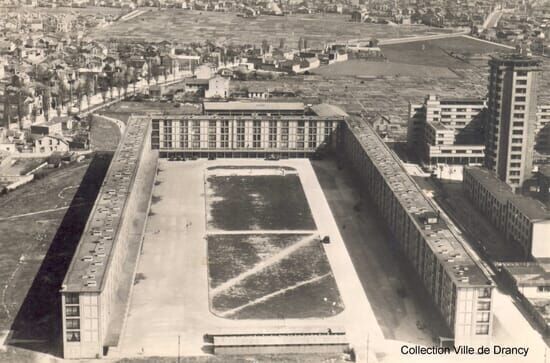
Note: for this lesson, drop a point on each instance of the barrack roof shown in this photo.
(448, 250)
(93, 255)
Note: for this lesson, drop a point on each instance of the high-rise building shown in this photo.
(512, 113)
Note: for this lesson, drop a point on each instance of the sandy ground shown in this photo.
(172, 299)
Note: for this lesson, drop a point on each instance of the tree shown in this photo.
(88, 88)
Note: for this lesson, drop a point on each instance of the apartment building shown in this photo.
(96, 288)
(447, 130)
(458, 287)
(523, 220)
(511, 122)
(246, 129)
(542, 138)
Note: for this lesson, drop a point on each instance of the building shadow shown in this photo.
(37, 325)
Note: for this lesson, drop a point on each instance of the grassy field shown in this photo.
(34, 267)
(232, 255)
(303, 272)
(314, 300)
(422, 53)
(359, 67)
(257, 202)
(104, 135)
(225, 28)
(466, 45)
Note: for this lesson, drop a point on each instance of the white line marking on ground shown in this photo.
(262, 265)
(273, 294)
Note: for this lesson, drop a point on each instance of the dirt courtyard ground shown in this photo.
(170, 300)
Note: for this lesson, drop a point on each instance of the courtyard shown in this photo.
(197, 276)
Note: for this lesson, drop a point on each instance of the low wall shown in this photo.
(282, 349)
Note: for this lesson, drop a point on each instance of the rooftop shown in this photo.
(253, 106)
(449, 251)
(497, 187)
(462, 101)
(94, 252)
(531, 208)
(326, 110)
(529, 273)
(514, 59)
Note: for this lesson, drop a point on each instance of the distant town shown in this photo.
(286, 181)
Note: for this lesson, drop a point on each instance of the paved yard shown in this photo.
(171, 297)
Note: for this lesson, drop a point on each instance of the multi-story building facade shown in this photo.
(246, 129)
(542, 138)
(458, 287)
(446, 130)
(96, 288)
(511, 121)
(522, 220)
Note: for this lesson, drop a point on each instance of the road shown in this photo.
(492, 19)
(416, 38)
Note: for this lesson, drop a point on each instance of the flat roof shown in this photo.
(448, 250)
(327, 110)
(515, 60)
(535, 273)
(461, 101)
(531, 208)
(438, 126)
(196, 117)
(502, 191)
(253, 106)
(93, 255)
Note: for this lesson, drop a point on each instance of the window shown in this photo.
(73, 336)
(484, 292)
(73, 323)
(518, 124)
(519, 115)
(72, 311)
(520, 98)
(543, 288)
(482, 329)
(483, 317)
(483, 305)
(71, 298)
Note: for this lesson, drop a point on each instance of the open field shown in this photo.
(275, 202)
(91, 10)
(363, 68)
(104, 135)
(55, 210)
(281, 275)
(426, 53)
(225, 28)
